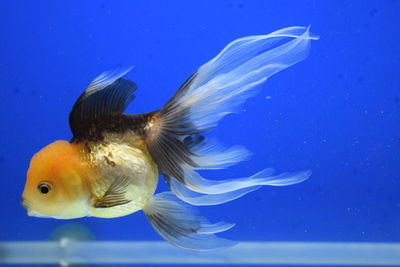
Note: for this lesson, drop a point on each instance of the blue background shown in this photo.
(336, 113)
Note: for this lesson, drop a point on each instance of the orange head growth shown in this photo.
(55, 185)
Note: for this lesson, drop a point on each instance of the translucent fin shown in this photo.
(105, 79)
(196, 183)
(182, 226)
(115, 194)
(241, 51)
(211, 155)
(106, 95)
(225, 82)
(198, 199)
(216, 89)
(202, 192)
(172, 155)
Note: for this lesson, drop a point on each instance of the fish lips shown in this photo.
(31, 212)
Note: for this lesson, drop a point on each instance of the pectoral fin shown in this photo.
(115, 194)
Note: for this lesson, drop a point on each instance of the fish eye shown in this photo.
(44, 188)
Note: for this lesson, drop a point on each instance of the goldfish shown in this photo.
(110, 167)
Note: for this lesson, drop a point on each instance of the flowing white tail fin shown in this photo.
(226, 81)
(217, 88)
(174, 139)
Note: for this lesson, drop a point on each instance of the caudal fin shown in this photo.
(216, 89)
(199, 191)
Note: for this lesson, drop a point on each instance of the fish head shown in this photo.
(55, 185)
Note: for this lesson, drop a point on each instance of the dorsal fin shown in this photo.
(106, 95)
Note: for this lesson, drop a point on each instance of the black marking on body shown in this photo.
(87, 147)
(109, 162)
(96, 130)
(99, 111)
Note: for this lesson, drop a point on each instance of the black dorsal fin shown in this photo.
(106, 95)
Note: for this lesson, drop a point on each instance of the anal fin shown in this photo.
(182, 226)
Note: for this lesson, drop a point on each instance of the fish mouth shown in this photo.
(31, 212)
(24, 204)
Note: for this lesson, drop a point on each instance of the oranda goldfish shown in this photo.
(111, 165)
